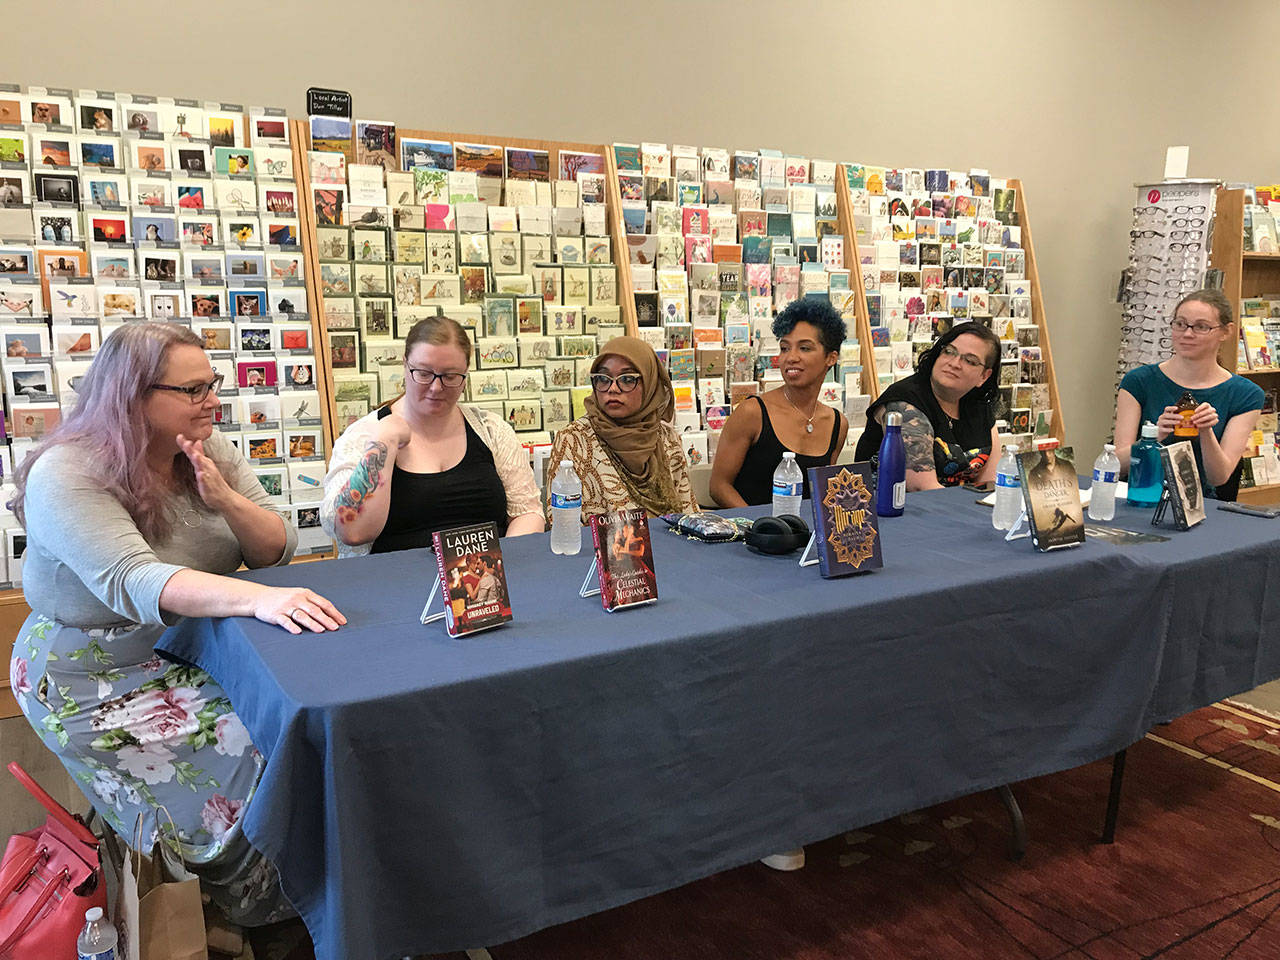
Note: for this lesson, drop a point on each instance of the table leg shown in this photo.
(1113, 798)
(1018, 843)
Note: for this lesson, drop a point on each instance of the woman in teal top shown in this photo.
(1227, 404)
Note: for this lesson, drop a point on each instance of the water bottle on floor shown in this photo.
(1008, 491)
(788, 486)
(566, 510)
(1146, 471)
(1102, 493)
(97, 941)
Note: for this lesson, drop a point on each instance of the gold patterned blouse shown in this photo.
(603, 490)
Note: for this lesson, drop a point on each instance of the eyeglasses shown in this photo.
(197, 393)
(1187, 222)
(626, 382)
(1198, 208)
(1189, 245)
(1199, 329)
(968, 358)
(1146, 234)
(428, 377)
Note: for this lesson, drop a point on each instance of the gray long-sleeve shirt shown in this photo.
(88, 566)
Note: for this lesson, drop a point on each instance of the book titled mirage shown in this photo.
(844, 519)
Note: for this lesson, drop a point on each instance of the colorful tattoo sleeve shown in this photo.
(363, 482)
(917, 435)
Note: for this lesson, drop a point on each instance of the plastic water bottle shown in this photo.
(1146, 471)
(1008, 491)
(1102, 493)
(566, 510)
(788, 486)
(891, 475)
(97, 941)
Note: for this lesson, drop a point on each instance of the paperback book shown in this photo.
(1182, 484)
(1051, 494)
(847, 533)
(472, 578)
(624, 559)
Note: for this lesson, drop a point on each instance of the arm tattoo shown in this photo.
(363, 482)
(917, 436)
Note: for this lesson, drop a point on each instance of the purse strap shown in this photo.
(56, 810)
(10, 882)
(25, 923)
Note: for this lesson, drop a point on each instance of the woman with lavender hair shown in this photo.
(134, 507)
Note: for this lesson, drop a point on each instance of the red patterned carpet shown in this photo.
(1195, 873)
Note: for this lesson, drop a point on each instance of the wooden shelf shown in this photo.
(1266, 494)
(1259, 371)
(1254, 255)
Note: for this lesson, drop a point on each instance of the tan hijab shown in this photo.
(634, 443)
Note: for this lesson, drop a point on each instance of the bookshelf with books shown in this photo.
(1244, 249)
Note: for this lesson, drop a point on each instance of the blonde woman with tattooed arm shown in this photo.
(426, 462)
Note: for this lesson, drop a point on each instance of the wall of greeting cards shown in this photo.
(718, 242)
(937, 246)
(510, 237)
(121, 208)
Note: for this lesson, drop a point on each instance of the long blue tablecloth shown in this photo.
(427, 794)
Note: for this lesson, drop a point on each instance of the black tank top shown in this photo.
(754, 482)
(422, 503)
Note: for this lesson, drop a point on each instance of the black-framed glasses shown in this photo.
(1200, 329)
(1190, 245)
(195, 394)
(1145, 234)
(1198, 208)
(967, 358)
(427, 377)
(626, 382)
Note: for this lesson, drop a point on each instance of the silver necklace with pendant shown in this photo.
(808, 424)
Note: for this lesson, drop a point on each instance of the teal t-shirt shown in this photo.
(1154, 391)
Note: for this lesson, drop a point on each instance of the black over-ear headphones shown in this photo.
(778, 534)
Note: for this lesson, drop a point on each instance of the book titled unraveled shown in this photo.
(472, 578)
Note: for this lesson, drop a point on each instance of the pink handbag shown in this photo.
(48, 878)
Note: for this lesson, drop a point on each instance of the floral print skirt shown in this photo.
(144, 738)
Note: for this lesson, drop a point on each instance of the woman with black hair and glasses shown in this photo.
(1227, 405)
(425, 462)
(948, 411)
(626, 450)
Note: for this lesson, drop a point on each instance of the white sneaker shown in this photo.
(787, 860)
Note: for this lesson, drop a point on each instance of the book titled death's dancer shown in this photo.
(624, 559)
(844, 517)
(472, 578)
(1051, 494)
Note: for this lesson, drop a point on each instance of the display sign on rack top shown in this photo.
(328, 103)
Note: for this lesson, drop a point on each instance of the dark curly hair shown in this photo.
(989, 389)
(817, 311)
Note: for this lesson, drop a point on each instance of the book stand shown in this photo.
(1161, 507)
(1013, 533)
(587, 590)
(805, 559)
(431, 598)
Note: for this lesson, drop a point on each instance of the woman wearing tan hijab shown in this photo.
(626, 450)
